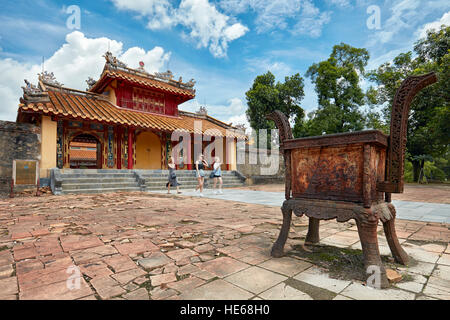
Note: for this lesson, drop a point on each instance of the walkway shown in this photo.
(406, 210)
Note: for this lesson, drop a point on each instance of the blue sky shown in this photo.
(222, 44)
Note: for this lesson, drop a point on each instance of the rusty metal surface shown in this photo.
(339, 139)
(399, 124)
(282, 123)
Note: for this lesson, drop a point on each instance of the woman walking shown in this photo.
(217, 175)
(200, 166)
(173, 180)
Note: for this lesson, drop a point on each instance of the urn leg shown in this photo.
(313, 231)
(278, 247)
(372, 260)
(399, 254)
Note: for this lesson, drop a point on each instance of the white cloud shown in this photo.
(280, 14)
(76, 60)
(405, 16)
(436, 25)
(232, 112)
(203, 22)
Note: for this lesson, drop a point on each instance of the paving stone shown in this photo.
(160, 294)
(127, 276)
(155, 260)
(286, 266)
(188, 269)
(181, 254)
(6, 258)
(120, 263)
(162, 279)
(6, 271)
(359, 292)
(422, 268)
(444, 259)
(26, 253)
(317, 277)
(217, 290)
(83, 242)
(410, 286)
(339, 297)
(433, 247)
(223, 266)
(137, 247)
(107, 287)
(437, 287)
(40, 278)
(186, 284)
(28, 265)
(8, 286)
(140, 280)
(57, 291)
(204, 248)
(421, 255)
(96, 269)
(255, 279)
(185, 244)
(284, 292)
(139, 294)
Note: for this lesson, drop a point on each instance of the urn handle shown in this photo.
(399, 123)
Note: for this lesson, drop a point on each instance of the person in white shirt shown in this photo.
(217, 174)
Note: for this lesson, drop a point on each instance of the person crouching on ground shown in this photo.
(173, 180)
(200, 166)
(217, 175)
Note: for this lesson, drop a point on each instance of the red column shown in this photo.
(130, 148)
(189, 154)
(119, 147)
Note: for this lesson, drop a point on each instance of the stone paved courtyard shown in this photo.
(153, 246)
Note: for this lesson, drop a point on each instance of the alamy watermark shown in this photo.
(74, 280)
(73, 22)
(374, 20)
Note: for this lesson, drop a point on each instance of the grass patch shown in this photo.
(3, 248)
(341, 263)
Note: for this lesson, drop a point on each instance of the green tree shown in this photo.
(266, 96)
(429, 123)
(340, 96)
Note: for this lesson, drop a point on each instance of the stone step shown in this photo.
(97, 175)
(79, 186)
(101, 190)
(184, 187)
(97, 180)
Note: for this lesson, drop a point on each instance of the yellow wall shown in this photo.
(48, 146)
(111, 95)
(148, 151)
(232, 154)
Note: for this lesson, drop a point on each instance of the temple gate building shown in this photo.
(124, 120)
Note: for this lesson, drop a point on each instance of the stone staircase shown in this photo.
(156, 180)
(77, 181)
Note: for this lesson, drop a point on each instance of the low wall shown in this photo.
(18, 141)
(258, 172)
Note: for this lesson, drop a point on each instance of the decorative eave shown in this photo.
(115, 69)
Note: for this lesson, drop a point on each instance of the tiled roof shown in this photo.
(142, 81)
(91, 107)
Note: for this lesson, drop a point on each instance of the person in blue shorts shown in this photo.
(200, 165)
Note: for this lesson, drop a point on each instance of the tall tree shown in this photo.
(266, 96)
(429, 123)
(340, 96)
